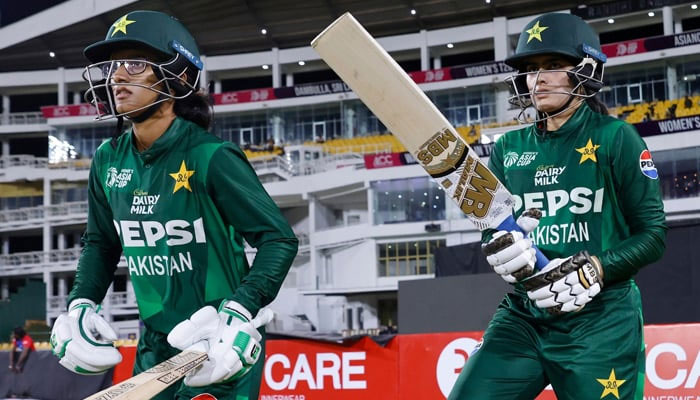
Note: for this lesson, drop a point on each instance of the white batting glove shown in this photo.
(510, 253)
(231, 342)
(566, 285)
(82, 340)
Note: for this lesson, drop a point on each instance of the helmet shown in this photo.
(568, 36)
(176, 51)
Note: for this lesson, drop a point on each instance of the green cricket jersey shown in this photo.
(179, 212)
(596, 185)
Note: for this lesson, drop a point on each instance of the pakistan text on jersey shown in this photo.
(175, 232)
(159, 265)
(579, 200)
(561, 233)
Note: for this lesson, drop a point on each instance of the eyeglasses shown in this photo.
(132, 67)
(101, 71)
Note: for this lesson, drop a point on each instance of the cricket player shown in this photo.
(177, 202)
(593, 205)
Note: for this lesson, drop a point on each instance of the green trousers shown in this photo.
(153, 348)
(593, 354)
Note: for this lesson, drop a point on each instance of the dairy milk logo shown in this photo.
(143, 203)
(451, 361)
(646, 164)
(548, 175)
(120, 179)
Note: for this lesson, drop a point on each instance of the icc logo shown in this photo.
(451, 362)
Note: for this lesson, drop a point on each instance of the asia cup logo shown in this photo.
(646, 164)
(111, 176)
(510, 159)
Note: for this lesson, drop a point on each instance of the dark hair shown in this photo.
(195, 108)
(597, 105)
(19, 332)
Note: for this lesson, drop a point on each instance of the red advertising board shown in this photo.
(383, 160)
(433, 75)
(673, 362)
(244, 96)
(430, 364)
(72, 110)
(311, 370)
(624, 48)
(426, 366)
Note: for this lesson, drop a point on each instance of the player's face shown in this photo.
(548, 81)
(130, 71)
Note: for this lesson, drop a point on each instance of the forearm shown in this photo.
(95, 272)
(101, 245)
(625, 260)
(272, 262)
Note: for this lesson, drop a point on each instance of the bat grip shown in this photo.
(509, 224)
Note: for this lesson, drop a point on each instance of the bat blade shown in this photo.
(410, 115)
(154, 380)
(158, 378)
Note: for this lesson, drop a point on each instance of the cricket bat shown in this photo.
(408, 113)
(156, 379)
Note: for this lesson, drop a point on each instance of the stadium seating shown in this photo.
(657, 110)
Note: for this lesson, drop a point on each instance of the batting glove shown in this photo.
(566, 285)
(231, 342)
(510, 253)
(82, 340)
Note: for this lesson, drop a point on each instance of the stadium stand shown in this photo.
(367, 217)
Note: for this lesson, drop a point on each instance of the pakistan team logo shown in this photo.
(511, 158)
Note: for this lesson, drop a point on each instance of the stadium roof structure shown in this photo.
(236, 26)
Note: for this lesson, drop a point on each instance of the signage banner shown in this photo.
(433, 75)
(244, 96)
(672, 125)
(311, 370)
(481, 69)
(625, 48)
(384, 160)
(426, 366)
(72, 110)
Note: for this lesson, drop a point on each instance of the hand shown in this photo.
(82, 339)
(231, 342)
(510, 253)
(566, 285)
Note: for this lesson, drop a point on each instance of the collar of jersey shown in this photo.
(163, 143)
(573, 124)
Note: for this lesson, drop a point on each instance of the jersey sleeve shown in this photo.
(496, 167)
(245, 205)
(101, 246)
(641, 203)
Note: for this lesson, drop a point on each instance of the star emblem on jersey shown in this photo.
(182, 178)
(611, 385)
(588, 152)
(120, 25)
(536, 32)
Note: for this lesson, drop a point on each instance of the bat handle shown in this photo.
(509, 224)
